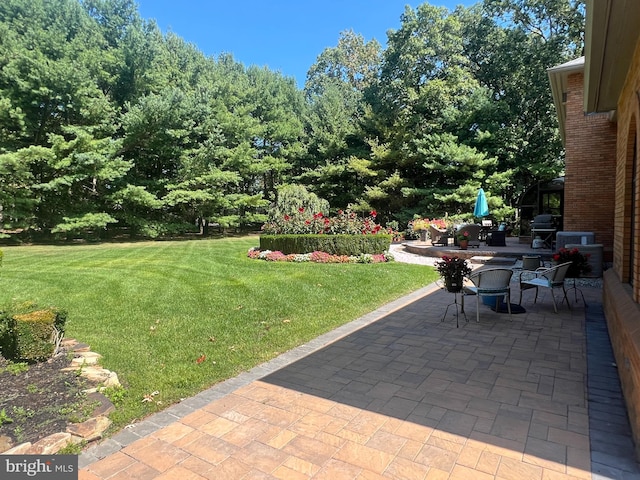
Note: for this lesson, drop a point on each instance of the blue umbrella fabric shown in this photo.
(482, 208)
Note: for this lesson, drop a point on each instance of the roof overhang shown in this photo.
(558, 79)
(611, 35)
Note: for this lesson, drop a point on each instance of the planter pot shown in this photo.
(453, 284)
(464, 244)
(491, 301)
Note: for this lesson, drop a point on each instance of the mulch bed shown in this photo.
(40, 401)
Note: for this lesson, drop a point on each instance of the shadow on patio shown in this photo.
(495, 398)
(399, 394)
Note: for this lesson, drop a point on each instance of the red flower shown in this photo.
(327, 221)
(373, 213)
(340, 212)
(301, 209)
(287, 218)
(307, 222)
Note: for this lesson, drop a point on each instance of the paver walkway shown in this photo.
(400, 394)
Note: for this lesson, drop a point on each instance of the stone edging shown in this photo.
(86, 362)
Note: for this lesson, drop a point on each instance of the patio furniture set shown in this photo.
(486, 232)
(496, 284)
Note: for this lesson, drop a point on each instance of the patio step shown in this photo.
(493, 260)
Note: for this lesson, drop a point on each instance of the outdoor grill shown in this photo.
(542, 222)
(543, 231)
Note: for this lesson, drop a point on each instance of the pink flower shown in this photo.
(276, 257)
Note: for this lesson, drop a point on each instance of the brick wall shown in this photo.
(628, 114)
(620, 297)
(590, 163)
(623, 323)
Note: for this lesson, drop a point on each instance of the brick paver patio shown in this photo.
(396, 394)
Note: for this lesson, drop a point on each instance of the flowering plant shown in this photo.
(305, 222)
(463, 236)
(580, 262)
(439, 223)
(420, 224)
(318, 257)
(453, 267)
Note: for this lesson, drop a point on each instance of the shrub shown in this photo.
(344, 234)
(291, 198)
(303, 221)
(331, 244)
(28, 333)
(7, 340)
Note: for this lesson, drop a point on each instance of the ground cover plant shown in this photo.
(40, 399)
(173, 318)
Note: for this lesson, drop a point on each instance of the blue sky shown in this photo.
(283, 35)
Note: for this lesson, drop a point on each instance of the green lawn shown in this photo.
(153, 308)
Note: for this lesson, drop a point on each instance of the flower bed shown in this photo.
(304, 222)
(345, 234)
(318, 257)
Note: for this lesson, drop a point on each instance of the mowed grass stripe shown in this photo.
(153, 308)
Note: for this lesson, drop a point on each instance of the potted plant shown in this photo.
(579, 261)
(463, 240)
(453, 270)
(420, 226)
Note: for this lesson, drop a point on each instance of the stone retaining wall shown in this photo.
(88, 431)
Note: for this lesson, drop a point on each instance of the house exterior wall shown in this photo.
(590, 152)
(621, 291)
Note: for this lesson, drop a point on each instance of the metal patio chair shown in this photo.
(550, 278)
(493, 282)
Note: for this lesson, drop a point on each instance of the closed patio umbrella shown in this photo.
(482, 208)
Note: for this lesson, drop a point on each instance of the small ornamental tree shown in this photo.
(292, 198)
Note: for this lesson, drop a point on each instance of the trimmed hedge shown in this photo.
(29, 334)
(333, 244)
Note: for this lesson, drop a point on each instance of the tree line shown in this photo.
(107, 125)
